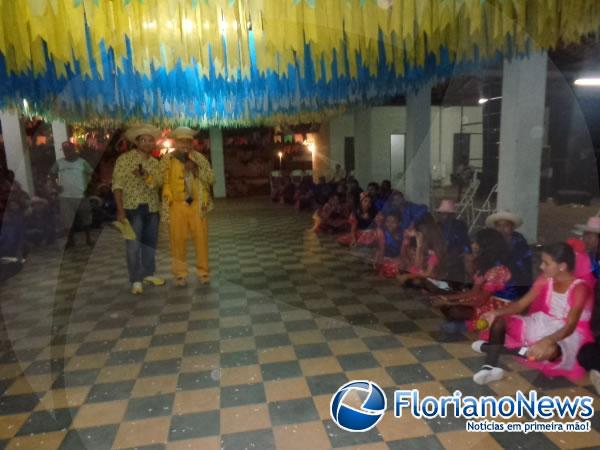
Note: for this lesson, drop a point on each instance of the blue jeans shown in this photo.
(12, 235)
(141, 253)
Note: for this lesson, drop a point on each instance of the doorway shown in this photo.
(349, 161)
(397, 157)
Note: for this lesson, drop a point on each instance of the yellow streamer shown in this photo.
(163, 32)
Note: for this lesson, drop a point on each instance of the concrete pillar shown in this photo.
(521, 139)
(17, 153)
(218, 161)
(322, 157)
(362, 145)
(60, 135)
(418, 146)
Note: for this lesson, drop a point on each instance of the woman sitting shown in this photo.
(555, 328)
(428, 258)
(491, 276)
(389, 247)
(361, 224)
(333, 216)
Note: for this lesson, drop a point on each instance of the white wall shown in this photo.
(339, 128)
(373, 127)
(385, 121)
(442, 138)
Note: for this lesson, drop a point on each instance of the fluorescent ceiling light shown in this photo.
(484, 100)
(587, 82)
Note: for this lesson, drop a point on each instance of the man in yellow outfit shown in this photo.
(187, 178)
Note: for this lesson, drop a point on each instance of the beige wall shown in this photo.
(373, 127)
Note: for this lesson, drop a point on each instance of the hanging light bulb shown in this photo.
(310, 145)
(187, 26)
(223, 27)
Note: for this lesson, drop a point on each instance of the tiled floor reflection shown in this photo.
(250, 361)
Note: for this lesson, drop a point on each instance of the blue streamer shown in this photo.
(186, 95)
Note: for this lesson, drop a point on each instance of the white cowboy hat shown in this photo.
(182, 133)
(447, 206)
(134, 131)
(503, 215)
(592, 226)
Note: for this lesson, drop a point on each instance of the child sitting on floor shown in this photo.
(333, 216)
(389, 247)
(428, 259)
(463, 309)
(555, 328)
(362, 223)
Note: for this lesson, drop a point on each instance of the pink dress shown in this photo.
(432, 262)
(364, 238)
(548, 314)
(494, 280)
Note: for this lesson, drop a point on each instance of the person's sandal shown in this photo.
(204, 279)
(180, 282)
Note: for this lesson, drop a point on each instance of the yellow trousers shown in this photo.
(185, 220)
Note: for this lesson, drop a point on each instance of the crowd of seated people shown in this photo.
(482, 283)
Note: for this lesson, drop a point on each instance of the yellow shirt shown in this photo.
(136, 190)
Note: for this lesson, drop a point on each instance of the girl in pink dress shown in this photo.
(362, 225)
(556, 327)
(333, 216)
(428, 258)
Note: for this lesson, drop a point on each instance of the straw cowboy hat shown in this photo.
(182, 133)
(592, 226)
(503, 215)
(134, 131)
(447, 206)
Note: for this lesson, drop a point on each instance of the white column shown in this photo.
(322, 156)
(59, 133)
(521, 139)
(418, 146)
(218, 161)
(17, 153)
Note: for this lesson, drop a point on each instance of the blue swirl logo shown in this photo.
(363, 418)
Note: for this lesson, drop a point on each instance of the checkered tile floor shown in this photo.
(250, 361)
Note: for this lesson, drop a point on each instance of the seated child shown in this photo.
(333, 216)
(556, 326)
(389, 247)
(362, 222)
(491, 276)
(429, 255)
